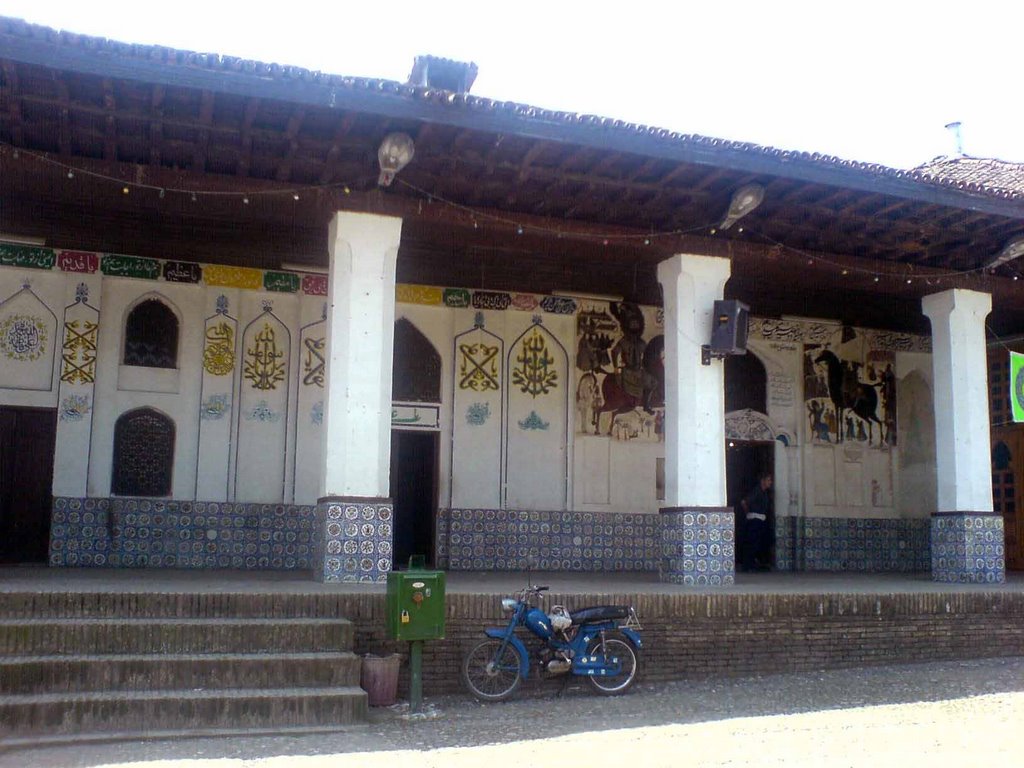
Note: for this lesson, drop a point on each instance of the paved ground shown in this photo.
(17, 579)
(959, 713)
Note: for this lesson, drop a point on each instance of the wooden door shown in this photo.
(27, 438)
(1007, 474)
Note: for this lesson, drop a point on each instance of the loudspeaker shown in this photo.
(729, 332)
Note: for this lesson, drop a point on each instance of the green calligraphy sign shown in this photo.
(283, 282)
(113, 265)
(29, 256)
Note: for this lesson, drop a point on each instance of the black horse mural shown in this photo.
(848, 393)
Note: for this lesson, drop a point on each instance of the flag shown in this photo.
(1017, 385)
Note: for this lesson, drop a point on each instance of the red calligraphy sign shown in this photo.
(78, 261)
(314, 285)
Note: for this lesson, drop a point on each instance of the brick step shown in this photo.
(133, 672)
(44, 637)
(198, 605)
(139, 712)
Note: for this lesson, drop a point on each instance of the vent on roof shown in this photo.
(958, 138)
(448, 75)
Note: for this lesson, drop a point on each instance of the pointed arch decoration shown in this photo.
(477, 416)
(749, 425)
(536, 424)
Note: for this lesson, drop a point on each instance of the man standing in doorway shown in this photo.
(755, 545)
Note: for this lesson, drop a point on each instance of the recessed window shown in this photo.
(151, 336)
(143, 454)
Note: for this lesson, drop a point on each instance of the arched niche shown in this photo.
(151, 331)
(416, 373)
(143, 454)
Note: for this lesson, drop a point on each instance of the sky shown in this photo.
(870, 81)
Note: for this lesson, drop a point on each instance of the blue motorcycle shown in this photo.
(601, 643)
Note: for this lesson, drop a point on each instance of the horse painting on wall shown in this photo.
(850, 395)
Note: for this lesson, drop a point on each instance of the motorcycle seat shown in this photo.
(599, 613)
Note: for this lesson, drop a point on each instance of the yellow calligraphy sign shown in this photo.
(418, 294)
(233, 277)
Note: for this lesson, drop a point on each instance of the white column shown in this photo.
(360, 340)
(960, 368)
(694, 393)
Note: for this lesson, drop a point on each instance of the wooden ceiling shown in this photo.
(586, 194)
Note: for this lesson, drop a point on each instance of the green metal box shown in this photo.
(415, 605)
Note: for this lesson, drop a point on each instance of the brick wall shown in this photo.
(688, 636)
(685, 635)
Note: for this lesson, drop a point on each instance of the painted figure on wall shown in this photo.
(623, 373)
(850, 399)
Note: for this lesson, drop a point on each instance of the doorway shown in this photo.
(745, 461)
(413, 493)
(27, 439)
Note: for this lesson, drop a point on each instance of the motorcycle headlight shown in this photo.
(508, 604)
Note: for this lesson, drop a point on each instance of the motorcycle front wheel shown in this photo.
(614, 647)
(491, 672)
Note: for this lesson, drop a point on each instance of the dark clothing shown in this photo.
(756, 539)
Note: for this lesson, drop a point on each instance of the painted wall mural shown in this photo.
(79, 352)
(620, 389)
(219, 365)
(313, 362)
(850, 393)
(22, 337)
(75, 407)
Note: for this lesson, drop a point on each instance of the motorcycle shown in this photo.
(601, 643)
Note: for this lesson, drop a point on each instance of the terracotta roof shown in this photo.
(976, 174)
(282, 75)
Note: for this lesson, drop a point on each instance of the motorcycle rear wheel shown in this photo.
(490, 672)
(616, 646)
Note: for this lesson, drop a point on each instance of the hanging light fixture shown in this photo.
(395, 153)
(744, 200)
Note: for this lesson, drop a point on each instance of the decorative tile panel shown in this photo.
(698, 546)
(514, 540)
(968, 548)
(355, 540)
(852, 544)
(154, 533)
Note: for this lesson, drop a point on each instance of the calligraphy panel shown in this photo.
(217, 402)
(536, 416)
(311, 387)
(263, 401)
(477, 403)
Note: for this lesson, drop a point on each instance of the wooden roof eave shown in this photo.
(398, 102)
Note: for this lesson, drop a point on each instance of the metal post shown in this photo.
(416, 676)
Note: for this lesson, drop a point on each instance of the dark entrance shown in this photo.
(414, 493)
(746, 386)
(744, 463)
(27, 437)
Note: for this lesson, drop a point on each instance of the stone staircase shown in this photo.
(90, 665)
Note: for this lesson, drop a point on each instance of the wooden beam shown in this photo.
(252, 107)
(205, 120)
(284, 169)
(327, 175)
(12, 97)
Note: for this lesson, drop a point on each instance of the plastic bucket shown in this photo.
(379, 679)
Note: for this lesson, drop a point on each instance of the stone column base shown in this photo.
(698, 546)
(968, 547)
(354, 539)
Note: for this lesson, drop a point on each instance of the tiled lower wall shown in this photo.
(849, 544)
(968, 548)
(151, 533)
(514, 540)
